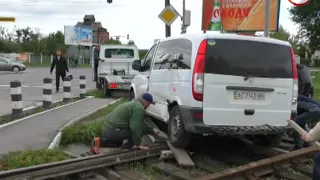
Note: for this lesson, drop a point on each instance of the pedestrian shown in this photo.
(60, 63)
(308, 110)
(127, 121)
(305, 86)
(314, 135)
(96, 62)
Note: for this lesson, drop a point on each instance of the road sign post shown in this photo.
(168, 15)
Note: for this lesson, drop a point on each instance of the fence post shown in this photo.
(66, 89)
(41, 58)
(16, 99)
(47, 93)
(82, 83)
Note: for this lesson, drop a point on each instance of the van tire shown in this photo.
(178, 136)
(106, 90)
(131, 95)
(270, 140)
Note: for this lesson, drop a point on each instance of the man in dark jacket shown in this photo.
(305, 81)
(96, 61)
(60, 63)
(126, 122)
(308, 110)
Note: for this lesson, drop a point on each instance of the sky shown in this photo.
(138, 18)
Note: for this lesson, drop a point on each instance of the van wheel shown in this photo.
(178, 136)
(131, 95)
(106, 90)
(270, 140)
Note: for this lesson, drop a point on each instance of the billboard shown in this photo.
(78, 36)
(238, 15)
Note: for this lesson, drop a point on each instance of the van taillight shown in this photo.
(198, 72)
(295, 78)
(294, 66)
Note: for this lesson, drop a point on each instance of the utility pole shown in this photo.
(266, 18)
(168, 28)
(183, 28)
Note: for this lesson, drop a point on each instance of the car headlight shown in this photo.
(22, 65)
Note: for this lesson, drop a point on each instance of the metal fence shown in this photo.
(47, 59)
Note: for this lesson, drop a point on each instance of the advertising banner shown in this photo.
(238, 15)
(78, 36)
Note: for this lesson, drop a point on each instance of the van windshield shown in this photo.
(117, 53)
(248, 58)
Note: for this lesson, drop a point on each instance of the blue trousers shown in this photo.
(316, 167)
(302, 119)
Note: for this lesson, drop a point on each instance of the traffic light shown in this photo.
(128, 36)
(109, 1)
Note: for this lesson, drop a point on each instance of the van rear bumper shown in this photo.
(193, 123)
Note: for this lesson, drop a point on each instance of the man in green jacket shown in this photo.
(126, 122)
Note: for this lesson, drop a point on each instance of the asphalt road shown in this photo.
(32, 80)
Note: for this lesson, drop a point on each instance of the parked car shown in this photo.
(8, 65)
(225, 84)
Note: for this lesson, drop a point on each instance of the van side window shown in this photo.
(146, 62)
(173, 54)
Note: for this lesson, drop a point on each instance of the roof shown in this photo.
(95, 25)
(228, 36)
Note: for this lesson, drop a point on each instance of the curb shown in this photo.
(56, 140)
(25, 118)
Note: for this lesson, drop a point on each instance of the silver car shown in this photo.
(8, 65)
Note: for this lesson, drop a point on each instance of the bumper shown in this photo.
(22, 68)
(193, 123)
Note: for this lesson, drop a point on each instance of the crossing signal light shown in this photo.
(128, 36)
(109, 1)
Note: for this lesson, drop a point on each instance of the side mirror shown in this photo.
(136, 65)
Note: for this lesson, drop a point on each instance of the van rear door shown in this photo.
(247, 83)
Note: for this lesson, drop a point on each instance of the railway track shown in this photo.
(232, 160)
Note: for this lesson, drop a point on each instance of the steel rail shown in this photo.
(263, 167)
(73, 166)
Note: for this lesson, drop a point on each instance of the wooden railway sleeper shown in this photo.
(251, 175)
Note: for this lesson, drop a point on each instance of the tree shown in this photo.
(111, 41)
(308, 19)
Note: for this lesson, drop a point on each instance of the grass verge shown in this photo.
(7, 118)
(97, 93)
(28, 158)
(84, 132)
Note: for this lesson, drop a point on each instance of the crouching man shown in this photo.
(126, 122)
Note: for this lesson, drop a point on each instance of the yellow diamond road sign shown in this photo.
(168, 15)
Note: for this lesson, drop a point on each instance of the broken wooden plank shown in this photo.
(181, 156)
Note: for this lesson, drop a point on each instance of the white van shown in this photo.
(219, 83)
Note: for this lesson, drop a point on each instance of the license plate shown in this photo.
(241, 95)
(123, 86)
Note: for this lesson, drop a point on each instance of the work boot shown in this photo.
(95, 148)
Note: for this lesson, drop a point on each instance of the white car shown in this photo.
(225, 84)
